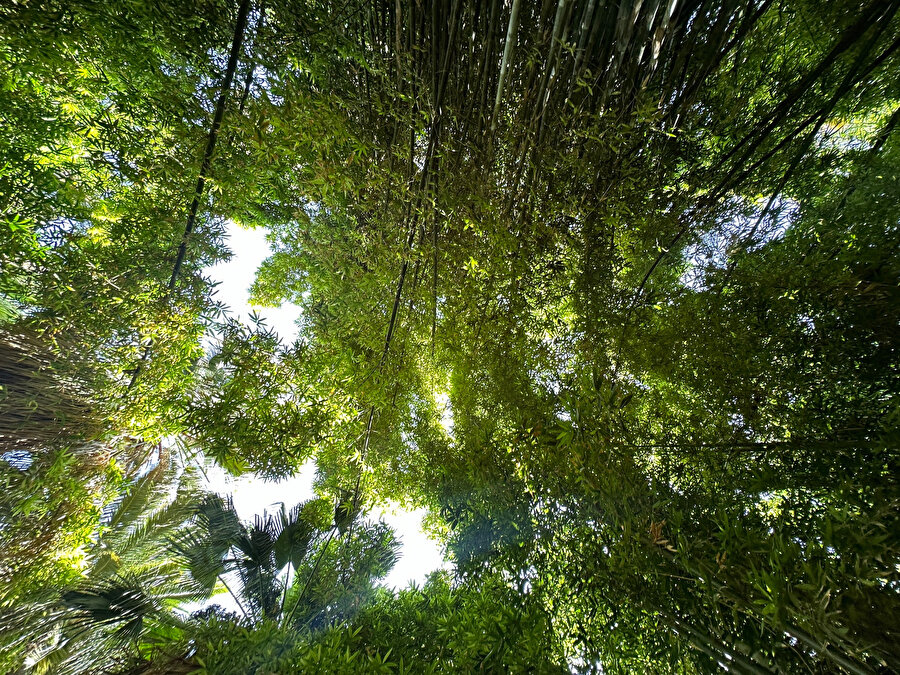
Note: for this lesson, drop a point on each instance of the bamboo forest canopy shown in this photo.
(612, 288)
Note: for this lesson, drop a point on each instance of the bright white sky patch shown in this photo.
(252, 495)
(235, 277)
(419, 555)
(443, 403)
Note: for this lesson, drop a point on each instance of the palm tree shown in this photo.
(131, 583)
(166, 541)
(288, 566)
(294, 568)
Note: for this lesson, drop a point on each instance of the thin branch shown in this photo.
(205, 167)
(211, 140)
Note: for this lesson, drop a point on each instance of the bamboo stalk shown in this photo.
(512, 33)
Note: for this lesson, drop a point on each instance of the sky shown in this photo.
(419, 555)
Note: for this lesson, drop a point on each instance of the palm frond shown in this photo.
(120, 601)
(146, 538)
(293, 536)
(144, 493)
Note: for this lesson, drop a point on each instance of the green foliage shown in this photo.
(624, 317)
(287, 566)
(125, 586)
(49, 511)
(258, 404)
(56, 468)
(437, 629)
(99, 121)
(338, 578)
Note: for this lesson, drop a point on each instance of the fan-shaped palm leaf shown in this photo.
(293, 536)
